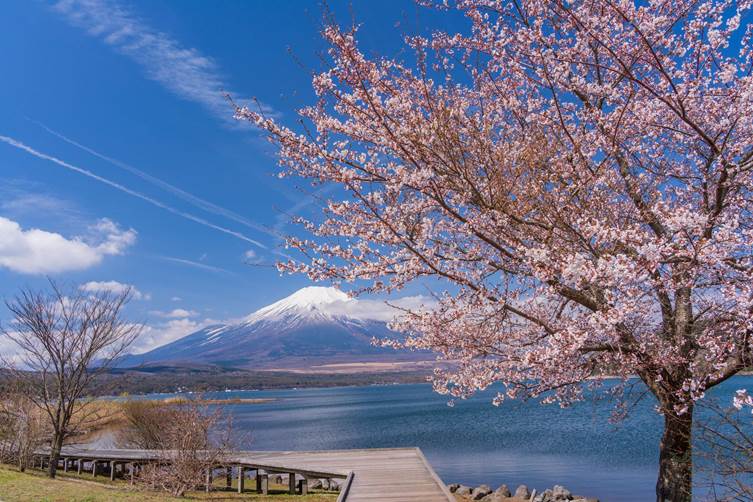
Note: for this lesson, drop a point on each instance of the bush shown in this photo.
(190, 439)
(23, 428)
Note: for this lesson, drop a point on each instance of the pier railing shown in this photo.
(124, 463)
(385, 474)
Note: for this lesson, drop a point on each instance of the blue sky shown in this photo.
(120, 161)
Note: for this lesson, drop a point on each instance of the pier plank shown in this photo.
(384, 474)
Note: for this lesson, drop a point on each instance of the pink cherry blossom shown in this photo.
(577, 173)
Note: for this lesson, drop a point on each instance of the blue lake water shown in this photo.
(472, 442)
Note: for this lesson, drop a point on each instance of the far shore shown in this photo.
(226, 401)
(177, 384)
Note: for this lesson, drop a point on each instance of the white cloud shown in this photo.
(113, 287)
(157, 335)
(19, 198)
(36, 251)
(380, 310)
(182, 70)
(251, 257)
(10, 353)
(175, 313)
(176, 299)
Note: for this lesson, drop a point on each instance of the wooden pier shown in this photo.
(368, 475)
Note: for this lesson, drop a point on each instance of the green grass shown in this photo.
(34, 486)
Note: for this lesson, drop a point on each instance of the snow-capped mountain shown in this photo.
(312, 327)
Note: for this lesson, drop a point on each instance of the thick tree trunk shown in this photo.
(675, 483)
(57, 445)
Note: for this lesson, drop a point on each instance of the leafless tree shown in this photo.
(146, 422)
(66, 340)
(725, 453)
(191, 440)
(24, 426)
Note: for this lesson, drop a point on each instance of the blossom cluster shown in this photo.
(578, 175)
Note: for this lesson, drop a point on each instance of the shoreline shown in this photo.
(522, 493)
(320, 385)
(170, 383)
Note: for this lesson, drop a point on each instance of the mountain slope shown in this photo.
(314, 326)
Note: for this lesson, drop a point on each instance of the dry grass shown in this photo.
(98, 414)
(22, 487)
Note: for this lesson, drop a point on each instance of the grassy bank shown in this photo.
(34, 486)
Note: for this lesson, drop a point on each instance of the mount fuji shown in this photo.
(312, 328)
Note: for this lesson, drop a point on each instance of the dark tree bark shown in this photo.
(675, 483)
(57, 445)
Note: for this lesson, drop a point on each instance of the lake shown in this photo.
(472, 442)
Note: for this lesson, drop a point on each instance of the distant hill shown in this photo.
(314, 329)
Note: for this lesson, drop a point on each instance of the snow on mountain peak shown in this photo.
(315, 295)
(311, 299)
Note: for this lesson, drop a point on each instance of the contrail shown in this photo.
(196, 264)
(118, 186)
(186, 196)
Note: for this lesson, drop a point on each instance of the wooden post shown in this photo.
(303, 486)
(262, 483)
(133, 472)
(94, 468)
(80, 463)
(229, 476)
(65, 465)
(112, 470)
(240, 479)
(291, 483)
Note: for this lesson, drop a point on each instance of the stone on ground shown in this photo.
(561, 493)
(480, 492)
(503, 491)
(522, 492)
(464, 491)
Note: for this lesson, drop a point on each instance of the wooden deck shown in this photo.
(370, 475)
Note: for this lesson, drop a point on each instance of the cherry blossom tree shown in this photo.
(579, 173)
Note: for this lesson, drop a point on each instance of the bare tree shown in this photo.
(191, 440)
(24, 426)
(146, 422)
(65, 341)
